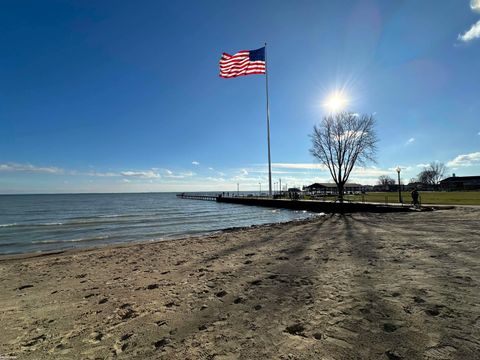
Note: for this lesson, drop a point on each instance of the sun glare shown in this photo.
(336, 102)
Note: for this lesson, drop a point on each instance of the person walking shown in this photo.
(414, 194)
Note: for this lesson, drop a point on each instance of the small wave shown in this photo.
(8, 225)
(96, 238)
(31, 224)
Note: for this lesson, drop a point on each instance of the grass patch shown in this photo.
(426, 197)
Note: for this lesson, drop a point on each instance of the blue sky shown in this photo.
(119, 96)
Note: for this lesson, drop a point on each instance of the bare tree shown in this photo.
(425, 177)
(341, 141)
(438, 170)
(432, 174)
(385, 181)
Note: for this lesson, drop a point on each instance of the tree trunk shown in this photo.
(340, 187)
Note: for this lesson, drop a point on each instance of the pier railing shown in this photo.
(206, 197)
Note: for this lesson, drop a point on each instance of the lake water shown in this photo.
(35, 223)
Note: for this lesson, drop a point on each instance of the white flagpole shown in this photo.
(268, 127)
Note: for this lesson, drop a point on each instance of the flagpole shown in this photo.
(268, 127)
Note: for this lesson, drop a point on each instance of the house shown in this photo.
(460, 183)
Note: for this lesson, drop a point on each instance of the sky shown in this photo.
(125, 96)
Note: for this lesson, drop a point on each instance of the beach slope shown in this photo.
(360, 286)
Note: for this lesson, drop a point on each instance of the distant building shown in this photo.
(331, 188)
(460, 183)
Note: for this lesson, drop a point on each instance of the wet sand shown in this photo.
(361, 286)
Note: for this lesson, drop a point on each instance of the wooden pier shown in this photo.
(197, 196)
(308, 205)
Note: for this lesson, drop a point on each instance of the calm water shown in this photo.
(30, 223)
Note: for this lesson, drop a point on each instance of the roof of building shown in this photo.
(315, 186)
(460, 178)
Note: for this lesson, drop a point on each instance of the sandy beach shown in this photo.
(340, 287)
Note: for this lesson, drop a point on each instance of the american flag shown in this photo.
(245, 62)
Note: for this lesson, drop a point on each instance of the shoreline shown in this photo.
(353, 286)
(75, 250)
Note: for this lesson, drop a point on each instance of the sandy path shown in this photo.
(362, 286)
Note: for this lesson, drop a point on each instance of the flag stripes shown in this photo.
(243, 63)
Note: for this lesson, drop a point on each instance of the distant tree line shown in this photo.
(430, 175)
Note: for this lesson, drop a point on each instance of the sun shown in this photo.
(336, 102)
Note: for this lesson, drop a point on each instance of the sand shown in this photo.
(361, 286)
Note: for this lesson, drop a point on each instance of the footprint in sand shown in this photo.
(393, 355)
(296, 329)
(418, 300)
(389, 328)
(152, 286)
(433, 311)
(34, 341)
(126, 311)
(160, 344)
(239, 300)
(221, 293)
(24, 287)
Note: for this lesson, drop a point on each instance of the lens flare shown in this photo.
(336, 102)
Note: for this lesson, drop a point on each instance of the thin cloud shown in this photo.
(471, 34)
(182, 175)
(196, 163)
(149, 174)
(14, 167)
(465, 160)
(475, 5)
(95, 173)
(409, 141)
(474, 32)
